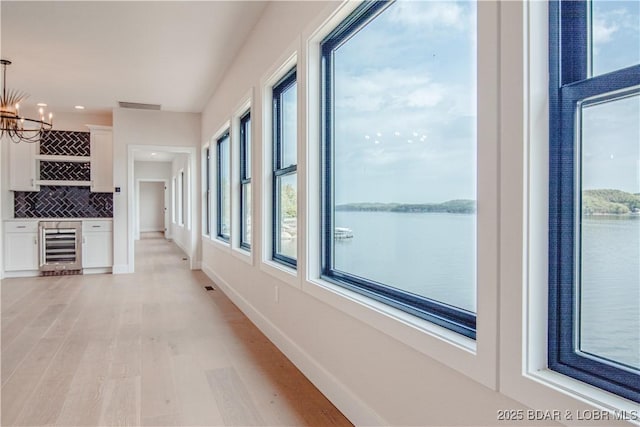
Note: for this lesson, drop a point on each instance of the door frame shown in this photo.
(192, 249)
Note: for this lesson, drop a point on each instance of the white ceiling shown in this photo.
(90, 53)
(154, 156)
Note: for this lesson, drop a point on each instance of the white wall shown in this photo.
(181, 232)
(135, 128)
(151, 199)
(378, 366)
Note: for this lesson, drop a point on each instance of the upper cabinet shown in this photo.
(101, 159)
(64, 158)
(23, 167)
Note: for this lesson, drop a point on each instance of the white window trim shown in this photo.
(285, 62)
(221, 244)
(203, 172)
(475, 359)
(238, 251)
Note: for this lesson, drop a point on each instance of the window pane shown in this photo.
(287, 221)
(615, 35)
(405, 151)
(247, 148)
(289, 126)
(224, 188)
(609, 303)
(246, 213)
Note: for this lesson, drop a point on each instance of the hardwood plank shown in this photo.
(84, 400)
(44, 405)
(197, 402)
(121, 405)
(233, 400)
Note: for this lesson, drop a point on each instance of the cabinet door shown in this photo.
(21, 251)
(22, 166)
(97, 249)
(101, 161)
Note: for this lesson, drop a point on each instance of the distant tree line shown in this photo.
(462, 206)
(609, 202)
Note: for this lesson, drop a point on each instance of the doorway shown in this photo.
(153, 209)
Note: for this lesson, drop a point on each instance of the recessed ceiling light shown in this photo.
(41, 104)
(79, 107)
(153, 154)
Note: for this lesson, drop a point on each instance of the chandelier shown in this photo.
(14, 126)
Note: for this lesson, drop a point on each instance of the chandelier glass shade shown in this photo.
(14, 126)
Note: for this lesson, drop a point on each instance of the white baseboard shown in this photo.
(121, 269)
(24, 273)
(344, 399)
(197, 265)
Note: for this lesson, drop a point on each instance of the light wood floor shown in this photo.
(150, 348)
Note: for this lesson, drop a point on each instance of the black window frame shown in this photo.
(245, 172)
(570, 86)
(207, 191)
(225, 136)
(453, 318)
(280, 170)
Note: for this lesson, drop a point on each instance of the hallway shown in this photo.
(150, 348)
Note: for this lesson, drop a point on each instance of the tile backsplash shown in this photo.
(63, 202)
(65, 171)
(65, 143)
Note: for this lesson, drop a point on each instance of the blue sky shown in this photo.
(405, 95)
(611, 131)
(405, 106)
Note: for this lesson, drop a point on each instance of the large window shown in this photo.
(207, 192)
(245, 181)
(399, 158)
(285, 211)
(223, 187)
(594, 229)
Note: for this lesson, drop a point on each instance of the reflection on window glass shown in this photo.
(615, 35)
(246, 213)
(404, 159)
(289, 126)
(245, 181)
(287, 234)
(224, 188)
(609, 311)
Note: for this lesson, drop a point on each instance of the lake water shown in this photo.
(433, 254)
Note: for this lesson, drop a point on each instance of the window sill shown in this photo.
(583, 392)
(447, 347)
(243, 254)
(281, 272)
(220, 244)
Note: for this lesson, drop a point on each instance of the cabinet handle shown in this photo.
(32, 182)
(96, 226)
(21, 226)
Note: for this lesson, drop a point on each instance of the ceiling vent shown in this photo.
(139, 106)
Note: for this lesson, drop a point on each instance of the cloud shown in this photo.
(602, 31)
(429, 14)
(388, 88)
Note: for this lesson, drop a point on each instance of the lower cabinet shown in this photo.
(21, 246)
(97, 244)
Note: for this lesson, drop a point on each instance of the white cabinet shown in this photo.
(101, 159)
(21, 246)
(23, 167)
(97, 244)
